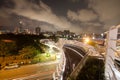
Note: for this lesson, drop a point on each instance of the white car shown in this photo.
(11, 66)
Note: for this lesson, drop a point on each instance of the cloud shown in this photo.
(40, 12)
(108, 11)
(90, 27)
(72, 15)
(87, 20)
(83, 15)
(4, 13)
(74, 0)
(99, 11)
(5, 17)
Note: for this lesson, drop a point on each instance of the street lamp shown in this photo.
(102, 35)
(86, 40)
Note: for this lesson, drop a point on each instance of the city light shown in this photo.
(42, 40)
(93, 37)
(86, 40)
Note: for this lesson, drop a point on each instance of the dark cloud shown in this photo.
(108, 11)
(7, 4)
(83, 15)
(40, 12)
(76, 15)
(60, 7)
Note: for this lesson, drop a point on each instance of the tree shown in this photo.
(6, 48)
(93, 70)
(28, 52)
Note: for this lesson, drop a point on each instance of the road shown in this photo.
(40, 71)
(73, 54)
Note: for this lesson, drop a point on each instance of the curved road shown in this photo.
(73, 54)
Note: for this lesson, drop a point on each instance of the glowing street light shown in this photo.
(93, 37)
(102, 35)
(86, 40)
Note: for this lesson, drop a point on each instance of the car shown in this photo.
(11, 66)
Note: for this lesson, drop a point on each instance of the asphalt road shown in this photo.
(72, 58)
(40, 71)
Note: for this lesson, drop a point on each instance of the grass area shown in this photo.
(44, 57)
(16, 59)
(17, 48)
(93, 70)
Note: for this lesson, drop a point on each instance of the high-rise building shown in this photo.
(18, 30)
(26, 31)
(38, 30)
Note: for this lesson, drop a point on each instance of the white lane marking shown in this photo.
(75, 51)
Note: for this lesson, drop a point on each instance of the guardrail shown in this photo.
(111, 73)
(58, 74)
(115, 62)
(114, 76)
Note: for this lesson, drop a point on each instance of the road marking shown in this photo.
(75, 51)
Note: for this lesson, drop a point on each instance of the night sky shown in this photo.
(80, 16)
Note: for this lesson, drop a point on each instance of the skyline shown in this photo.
(90, 16)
